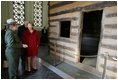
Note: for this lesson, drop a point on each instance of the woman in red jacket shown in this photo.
(32, 39)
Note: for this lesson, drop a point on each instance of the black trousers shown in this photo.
(23, 57)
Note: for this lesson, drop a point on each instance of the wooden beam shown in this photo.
(62, 3)
(96, 6)
(64, 19)
(52, 26)
(110, 36)
(112, 15)
(62, 46)
(100, 5)
(112, 26)
(63, 40)
(114, 47)
(66, 11)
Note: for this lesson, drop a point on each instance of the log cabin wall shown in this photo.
(70, 47)
(108, 41)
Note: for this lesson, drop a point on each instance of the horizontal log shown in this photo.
(112, 15)
(53, 30)
(110, 10)
(63, 40)
(65, 60)
(62, 3)
(66, 11)
(75, 26)
(114, 47)
(95, 6)
(54, 33)
(112, 53)
(65, 47)
(68, 15)
(109, 31)
(109, 41)
(64, 19)
(62, 46)
(54, 23)
(74, 34)
(51, 3)
(110, 20)
(52, 26)
(111, 26)
(72, 6)
(65, 54)
(110, 36)
(100, 5)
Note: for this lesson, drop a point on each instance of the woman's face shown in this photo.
(29, 26)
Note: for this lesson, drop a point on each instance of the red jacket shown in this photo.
(33, 41)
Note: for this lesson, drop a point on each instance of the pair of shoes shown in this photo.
(28, 71)
(35, 69)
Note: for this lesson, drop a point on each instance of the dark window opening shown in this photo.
(91, 33)
(65, 29)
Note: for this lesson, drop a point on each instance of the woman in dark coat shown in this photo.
(32, 39)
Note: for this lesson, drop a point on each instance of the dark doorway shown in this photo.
(91, 33)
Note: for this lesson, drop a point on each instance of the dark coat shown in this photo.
(21, 30)
(3, 45)
(3, 37)
(23, 54)
(44, 36)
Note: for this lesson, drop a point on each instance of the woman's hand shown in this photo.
(24, 45)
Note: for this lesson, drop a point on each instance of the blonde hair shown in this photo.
(29, 22)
